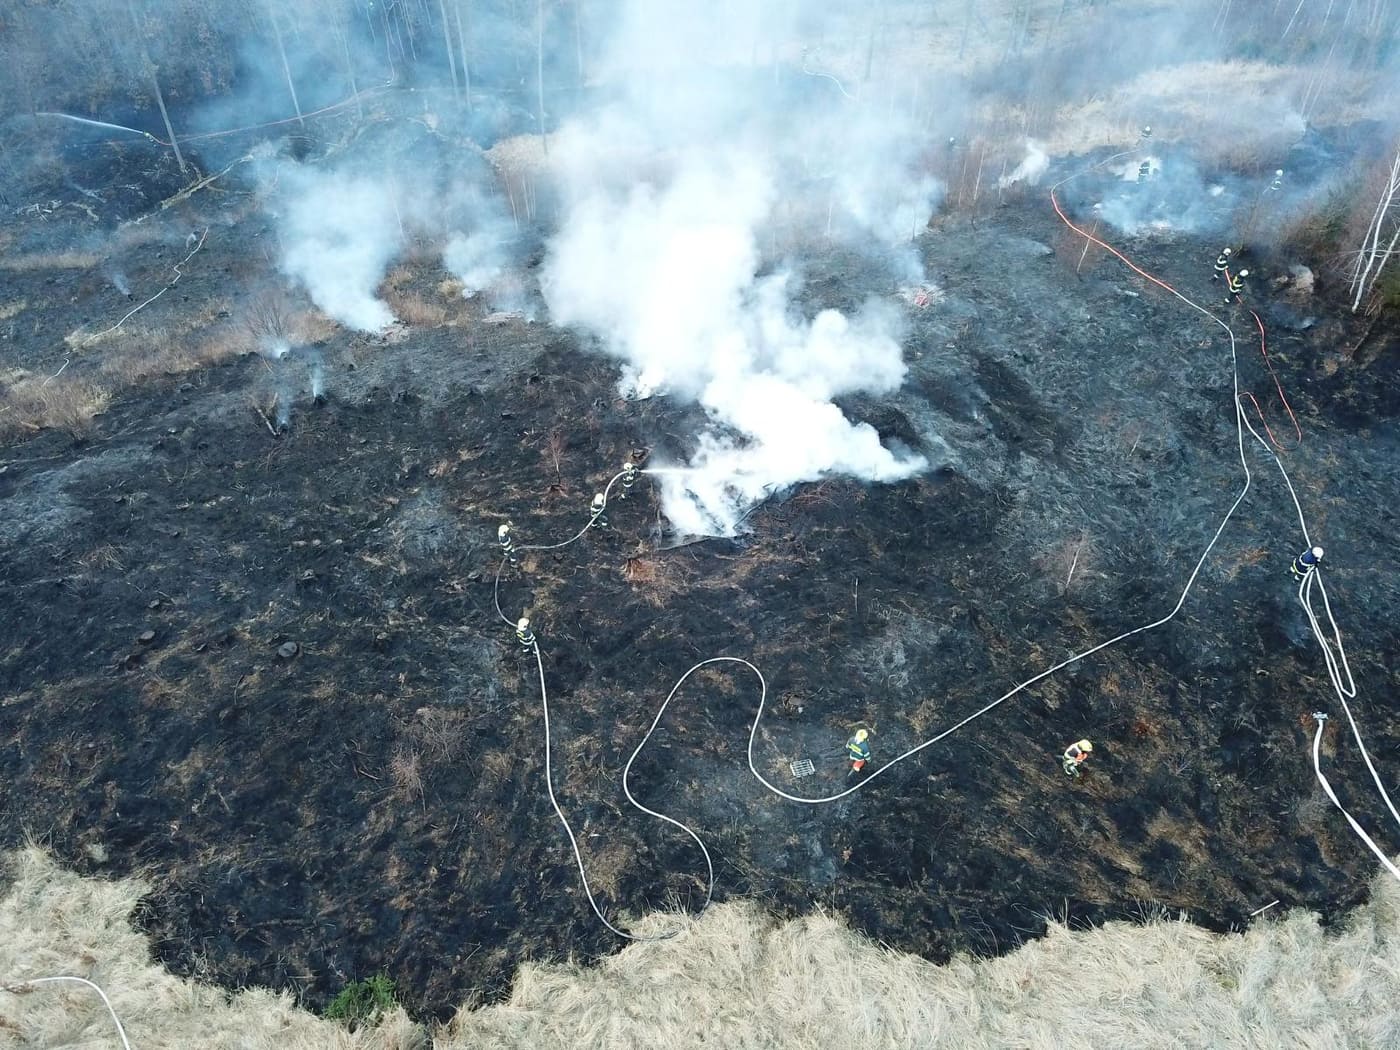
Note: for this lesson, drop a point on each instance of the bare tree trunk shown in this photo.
(344, 39)
(539, 71)
(578, 39)
(462, 43)
(286, 69)
(875, 12)
(1372, 256)
(447, 40)
(164, 116)
(155, 83)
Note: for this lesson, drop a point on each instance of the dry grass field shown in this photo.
(738, 978)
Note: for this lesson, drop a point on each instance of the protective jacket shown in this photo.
(1305, 563)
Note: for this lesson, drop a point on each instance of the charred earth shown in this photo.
(262, 662)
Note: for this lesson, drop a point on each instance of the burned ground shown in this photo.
(374, 802)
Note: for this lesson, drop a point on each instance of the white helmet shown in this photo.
(1242, 273)
(1317, 552)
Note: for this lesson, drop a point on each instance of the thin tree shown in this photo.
(447, 41)
(153, 73)
(344, 38)
(1372, 257)
(539, 71)
(286, 69)
(578, 39)
(462, 43)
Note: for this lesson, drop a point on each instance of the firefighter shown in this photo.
(1277, 184)
(523, 634)
(1306, 562)
(1075, 754)
(1144, 170)
(858, 750)
(507, 542)
(1147, 131)
(629, 478)
(1235, 285)
(597, 508)
(1222, 262)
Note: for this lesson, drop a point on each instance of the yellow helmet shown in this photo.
(1085, 745)
(861, 734)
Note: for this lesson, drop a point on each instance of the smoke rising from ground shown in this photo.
(1035, 164)
(668, 195)
(339, 234)
(754, 132)
(342, 229)
(684, 307)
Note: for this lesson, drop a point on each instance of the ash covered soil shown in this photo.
(376, 802)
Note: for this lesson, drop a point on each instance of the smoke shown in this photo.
(341, 228)
(669, 195)
(475, 260)
(482, 249)
(1035, 164)
(339, 233)
(1177, 198)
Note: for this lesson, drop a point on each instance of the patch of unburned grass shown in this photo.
(55, 922)
(738, 977)
(409, 304)
(31, 261)
(31, 405)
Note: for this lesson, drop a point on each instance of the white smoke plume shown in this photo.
(475, 259)
(342, 228)
(667, 197)
(481, 248)
(682, 304)
(1029, 171)
(339, 234)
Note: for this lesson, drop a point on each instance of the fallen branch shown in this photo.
(263, 416)
(1073, 564)
(195, 187)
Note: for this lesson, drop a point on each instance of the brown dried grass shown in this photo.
(406, 774)
(31, 405)
(31, 261)
(739, 977)
(414, 309)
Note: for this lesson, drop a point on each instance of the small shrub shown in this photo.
(406, 770)
(1317, 234)
(1387, 289)
(361, 1002)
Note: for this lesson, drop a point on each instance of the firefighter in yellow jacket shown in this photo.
(858, 750)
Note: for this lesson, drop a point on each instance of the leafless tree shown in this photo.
(153, 73)
(1376, 247)
(286, 69)
(267, 320)
(539, 70)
